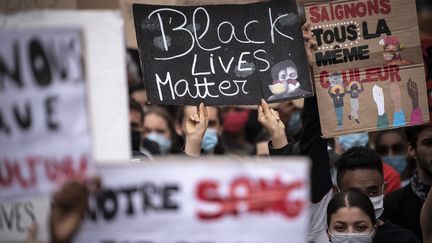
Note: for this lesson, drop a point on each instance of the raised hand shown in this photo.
(68, 209)
(195, 128)
(270, 120)
(310, 43)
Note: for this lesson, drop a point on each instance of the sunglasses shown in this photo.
(397, 148)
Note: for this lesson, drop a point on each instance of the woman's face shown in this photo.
(154, 123)
(350, 220)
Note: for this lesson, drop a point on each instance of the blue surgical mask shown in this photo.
(398, 162)
(210, 139)
(162, 141)
(351, 140)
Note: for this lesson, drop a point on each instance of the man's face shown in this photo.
(369, 181)
(423, 152)
(135, 120)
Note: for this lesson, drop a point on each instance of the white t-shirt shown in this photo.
(318, 223)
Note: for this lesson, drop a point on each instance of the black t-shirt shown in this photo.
(392, 233)
(403, 207)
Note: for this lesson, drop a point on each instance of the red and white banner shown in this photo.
(44, 132)
(221, 201)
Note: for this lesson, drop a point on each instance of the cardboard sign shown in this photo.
(180, 200)
(222, 54)
(44, 133)
(105, 73)
(18, 215)
(368, 67)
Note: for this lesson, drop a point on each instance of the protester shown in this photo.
(138, 93)
(211, 141)
(392, 146)
(351, 217)
(140, 146)
(426, 219)
(158, 126)
(234, 135)
(403, 206)
(358, 167)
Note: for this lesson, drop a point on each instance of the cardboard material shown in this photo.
(222, 54)
(215, 200)
(368, 68)
(105, 74)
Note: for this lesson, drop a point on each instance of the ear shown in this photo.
(412, 152)
(385, 187)
(178, 129)
(335, 189)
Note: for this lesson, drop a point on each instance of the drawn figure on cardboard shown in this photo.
(391, 51)
(354, 90)
(416, 113)
(285, 83)
(399, 114)
(378, 97)
(337, 92)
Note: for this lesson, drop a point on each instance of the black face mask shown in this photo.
(135, 140)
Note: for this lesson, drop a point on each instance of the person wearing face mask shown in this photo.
(345, 142)
(210, 139)
(392, 146)
(158, 127)
(404, 205)
(358, 167)
(351, 218)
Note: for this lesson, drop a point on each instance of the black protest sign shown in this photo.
(222, 54)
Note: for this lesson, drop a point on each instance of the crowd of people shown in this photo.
(365, 187)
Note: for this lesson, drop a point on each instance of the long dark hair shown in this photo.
(351, 198)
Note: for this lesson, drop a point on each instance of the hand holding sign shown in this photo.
(68, 209)
(270, 120)
(310, 43)
(195, 127)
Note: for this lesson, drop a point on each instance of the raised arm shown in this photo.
(315, 147)
(426, 219)
(195, 127)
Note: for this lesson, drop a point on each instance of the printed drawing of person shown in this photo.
(378, 96)
(399, 114)
(354, 90)
(337, 92)
(285, 83)
(416, 113)
(392, 47)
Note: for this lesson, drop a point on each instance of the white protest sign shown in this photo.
(194, 201)
(44, 133)
(105, 66)
(17, 216)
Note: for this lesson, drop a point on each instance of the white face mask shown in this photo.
(351, 238)
(378, 203)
